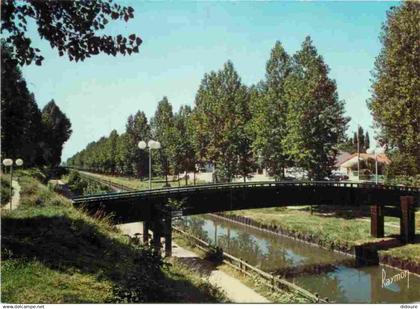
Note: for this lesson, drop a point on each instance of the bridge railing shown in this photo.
(107, 183)
(163, 191)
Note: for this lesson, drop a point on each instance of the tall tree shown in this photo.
(182, 147)
(220, 118)
(138, 129)
(21, 128)
(269, 109)
(350, 144)
(111, 152)
(315, 118)
(123, 164)
(367, 141)
(162, 130)
(395, 101)
(58, 129)
(73, 27)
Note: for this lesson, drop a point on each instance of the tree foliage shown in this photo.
(73, 27)
(292, 118)
(350, 143)
(27, 133)
(57, 129)
(395, 101)
(183, 153)
(269, 109)
(315, 117)
(162, 125)
(220, 117)
(137, 129)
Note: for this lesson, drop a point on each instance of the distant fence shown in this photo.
(269, 280)
(107, 182)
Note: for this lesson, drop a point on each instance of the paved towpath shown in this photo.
(235, 290)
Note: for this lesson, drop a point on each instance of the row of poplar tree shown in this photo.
(34, 135)
(293, 118)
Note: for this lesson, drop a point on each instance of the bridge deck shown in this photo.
(209, 198)
(208, 187)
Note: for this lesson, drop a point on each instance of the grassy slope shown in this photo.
(5, 189)
(53, 253)
(137, 184)
(410, 252)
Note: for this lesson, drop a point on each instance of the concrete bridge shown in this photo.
(157, 207)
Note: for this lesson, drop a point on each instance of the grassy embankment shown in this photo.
(54, 253)
(333, 227)
(5, 189)
(131, 182)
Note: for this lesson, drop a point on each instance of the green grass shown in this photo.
(54, 253)
(332, 230)
(396, 221)
(286, 297)
(33, 282)
(184, 276)
(5, 189)
(135, 183)
(410, 252)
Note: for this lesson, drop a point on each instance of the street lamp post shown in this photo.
(375, 151)
(150, 145)
(9, 162)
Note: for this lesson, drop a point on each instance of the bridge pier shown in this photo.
(407, 220)
(156, 238)
(377, 221)
(146, 226)
(168, 236)
(161, 226)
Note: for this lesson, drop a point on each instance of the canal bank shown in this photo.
(329, 274)
(335, 232)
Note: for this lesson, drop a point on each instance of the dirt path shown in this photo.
(234, 289)
(15, 198)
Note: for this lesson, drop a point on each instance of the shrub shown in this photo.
(215, 255)
(5, 189)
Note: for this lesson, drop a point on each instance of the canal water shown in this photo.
(330, 274)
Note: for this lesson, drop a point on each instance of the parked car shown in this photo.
(337, 176)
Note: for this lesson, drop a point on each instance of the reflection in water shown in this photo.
(327, 273)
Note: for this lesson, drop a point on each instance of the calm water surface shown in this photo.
(327, 273)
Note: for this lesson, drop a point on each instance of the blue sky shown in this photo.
(184, 40)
